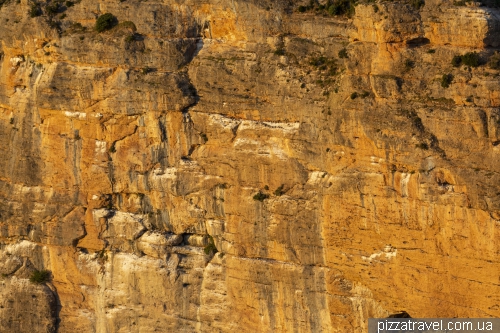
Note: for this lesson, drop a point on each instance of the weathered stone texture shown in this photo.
(130, 158)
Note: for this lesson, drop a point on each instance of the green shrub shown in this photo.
(471, 59)
(279, 191)
(260, 196)
(39, 277)
(210, 248)
(52, 9)
(446, 80)
(365, 94)
(417, 4)
(76, 27)
(354, 95)
(105, 22)
(35, 10)
(302, 9)
(342, 7)
(431, 51)
(456, 61)
(69, 4)
(343, 53)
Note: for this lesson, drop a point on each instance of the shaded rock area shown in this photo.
(250, 165)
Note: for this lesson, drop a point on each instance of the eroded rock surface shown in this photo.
(212, 166)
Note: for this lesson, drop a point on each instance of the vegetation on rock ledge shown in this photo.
(39, 277)
(105, 22)
(210, 248)
(260, 196)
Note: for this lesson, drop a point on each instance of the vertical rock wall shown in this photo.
(211, 166)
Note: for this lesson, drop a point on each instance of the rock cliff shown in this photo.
(249, 165)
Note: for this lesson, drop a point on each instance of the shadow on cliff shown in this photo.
(492, 38)
(56, 309)
(184, 83)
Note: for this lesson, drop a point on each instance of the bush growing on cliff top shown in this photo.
(332, 7)
(105, 22)
(39, 277)
(342, 7)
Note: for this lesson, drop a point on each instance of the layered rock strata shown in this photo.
(211, 166)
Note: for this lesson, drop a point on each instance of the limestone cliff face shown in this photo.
(130, 157)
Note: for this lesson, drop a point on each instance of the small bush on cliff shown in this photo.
(35, 10)
(302, 9)
(342, 7)
(210, 248)
(279, 191)
(343, 54)
(39, 277)
(446, 80)
(53, 8)
(260, 196)
(105, 22)
(456, 61)
(471, 59)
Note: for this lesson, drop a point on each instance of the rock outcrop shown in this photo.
(250, 165)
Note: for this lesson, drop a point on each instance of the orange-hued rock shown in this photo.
(220, 166)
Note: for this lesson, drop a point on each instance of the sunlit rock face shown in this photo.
(244, 165)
